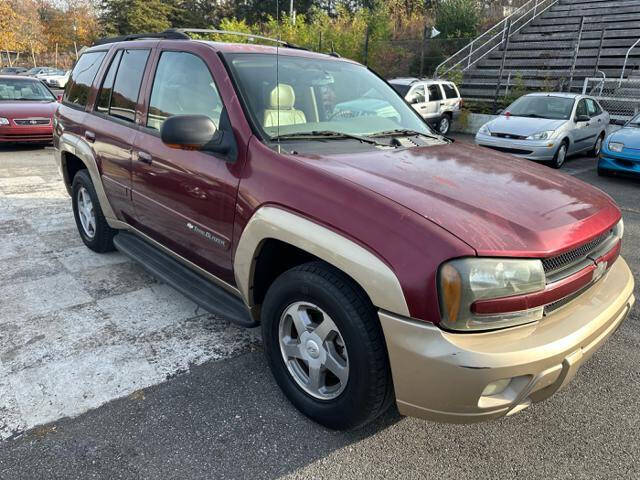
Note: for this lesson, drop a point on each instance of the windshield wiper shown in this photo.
(326, 134)
(404, 132)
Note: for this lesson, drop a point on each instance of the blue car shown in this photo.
(621, 150)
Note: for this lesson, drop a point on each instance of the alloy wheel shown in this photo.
(86, 212)
(313, 350)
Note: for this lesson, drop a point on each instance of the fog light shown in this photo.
(495, 388)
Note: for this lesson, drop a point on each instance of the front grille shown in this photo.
(508, 135)
(32, 122)
(516, 151)
(560, 262)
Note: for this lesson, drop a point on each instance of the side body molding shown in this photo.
(372, 274)
(68, 143)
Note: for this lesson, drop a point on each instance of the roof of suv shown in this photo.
(228, 47)
(411, 81)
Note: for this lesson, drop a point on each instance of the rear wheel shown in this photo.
(597, 148)
(325, 346)
(92, 226)
(444, 125)
(561, 155)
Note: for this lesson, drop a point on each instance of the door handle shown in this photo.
(90, 136)
(144, 157)
(599, 120)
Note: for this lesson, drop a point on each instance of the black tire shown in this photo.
(559, 159)
(444, 124)
(597, 148)
(603, 173)
(102, 241)
(369, 388)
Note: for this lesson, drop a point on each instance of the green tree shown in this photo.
(122, 17)
(458, 18)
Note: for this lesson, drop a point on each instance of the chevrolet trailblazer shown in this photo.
(384, 262)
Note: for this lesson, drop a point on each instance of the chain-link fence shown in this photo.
(621, 98)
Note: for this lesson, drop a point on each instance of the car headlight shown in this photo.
(616, 147)
(464, 281)
(4, 121)
(484, 130)
(542, 135)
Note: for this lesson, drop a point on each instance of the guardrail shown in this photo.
(491, 39)
(626, 59)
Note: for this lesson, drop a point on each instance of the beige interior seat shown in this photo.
(281, 109)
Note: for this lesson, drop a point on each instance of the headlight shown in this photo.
(464, 281)
(484, 130)
(616, 147)
(4, 121)
(542, 135)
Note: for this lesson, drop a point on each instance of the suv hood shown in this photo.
(498, 204)
(524, 126)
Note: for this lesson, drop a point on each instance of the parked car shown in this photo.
(48, 73)
(547, 127)
(58, 80)
(381, 260)
(621, 150)
(12, 70)
(26, 110)
(437, 101)
(35, 71)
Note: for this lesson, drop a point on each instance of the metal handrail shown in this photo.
(626, 59)
(534, 6)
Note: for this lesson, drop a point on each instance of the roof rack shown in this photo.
(239, 34)
(181, 34)
(167, 35)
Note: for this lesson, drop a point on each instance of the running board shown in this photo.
(203, 292)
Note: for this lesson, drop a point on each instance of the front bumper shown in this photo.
(441, 376)
(539, 150)
(13, 134)
(619, 164)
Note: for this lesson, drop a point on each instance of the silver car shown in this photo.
(547, 127)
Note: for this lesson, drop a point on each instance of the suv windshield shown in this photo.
(24, 90)
(555, 108)
(309, 95)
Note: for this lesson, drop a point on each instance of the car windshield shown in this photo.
(12, 90)
(635, 121)
(555, 108)
(309, 96)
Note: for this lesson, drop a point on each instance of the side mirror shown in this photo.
(197, 132)
(582, 118)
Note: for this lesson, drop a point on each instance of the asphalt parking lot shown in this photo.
(106, 373)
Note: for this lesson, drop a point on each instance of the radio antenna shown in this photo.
(278, 74)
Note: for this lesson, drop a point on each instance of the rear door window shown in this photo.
(449, 90)
(592, 108)
(104, 95)
(435, 93)
(182, 85)
(77, 91)
(126, 86)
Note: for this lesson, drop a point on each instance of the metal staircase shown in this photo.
(547, 49)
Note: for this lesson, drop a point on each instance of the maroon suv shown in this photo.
(298, 191)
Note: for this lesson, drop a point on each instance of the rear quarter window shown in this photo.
(449, 90)
(77, 91)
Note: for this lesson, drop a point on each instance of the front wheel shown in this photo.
(561, 155)
(325, 346)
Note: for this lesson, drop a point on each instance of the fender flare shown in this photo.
(71, 144)
(369, 271)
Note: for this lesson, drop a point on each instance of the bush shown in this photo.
(458, 18)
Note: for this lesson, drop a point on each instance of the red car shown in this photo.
(26, 110)
(383, 261)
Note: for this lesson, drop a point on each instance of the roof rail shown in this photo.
(239, 34)
(167, 35)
